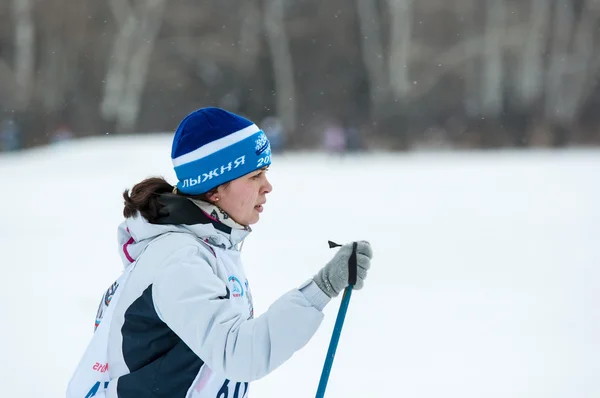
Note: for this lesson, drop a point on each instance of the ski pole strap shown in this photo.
(333, 244)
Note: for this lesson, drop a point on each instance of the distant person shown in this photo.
(61, 134)
(354, 140)
(334, 139)
(10, 137)
(180, 322)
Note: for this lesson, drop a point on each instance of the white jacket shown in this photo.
(181, 321)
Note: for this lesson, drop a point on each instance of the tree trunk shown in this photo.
(579, 78)
(139, 63)
(558, 60)
(570, 77)
(530, 82)
(116, 73)
(249, 42)
(400, 41)
(492, 85)
(373, 55)
(467, 14)
(54, 72)
(125, 80)
(283, 67)
(24, 67)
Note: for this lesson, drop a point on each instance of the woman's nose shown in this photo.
(268, 187)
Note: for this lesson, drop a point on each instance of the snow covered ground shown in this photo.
(485, 278)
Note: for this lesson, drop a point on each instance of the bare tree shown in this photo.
(138, 27)
(96, 62)
(61, 37)
(7, 81)
(249, 41)
(373, 54)
(562, 25)
(573, 62)
(283, 67)
(400, 44)
(493, 61)
(530, 80)
(24, 39)
(467, 15)
(467, 59)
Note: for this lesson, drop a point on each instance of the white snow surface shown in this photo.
(485, 280)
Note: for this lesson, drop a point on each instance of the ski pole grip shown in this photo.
(352, 263)
(352, 266)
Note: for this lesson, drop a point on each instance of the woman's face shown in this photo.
(243, 198)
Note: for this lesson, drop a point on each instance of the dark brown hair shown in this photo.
(144, 197)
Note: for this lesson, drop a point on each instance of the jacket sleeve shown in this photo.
(189, 298)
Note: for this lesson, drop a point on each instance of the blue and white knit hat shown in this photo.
(212, 146)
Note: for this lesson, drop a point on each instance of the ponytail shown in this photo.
(144, 198)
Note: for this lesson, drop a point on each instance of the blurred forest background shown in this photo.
(352, 74)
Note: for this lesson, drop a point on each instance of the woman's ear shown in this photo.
(212, 196)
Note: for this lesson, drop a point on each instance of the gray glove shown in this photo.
(334, 276)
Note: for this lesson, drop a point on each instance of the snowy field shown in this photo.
(485, 280)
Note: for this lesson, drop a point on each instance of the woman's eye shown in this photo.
(256, 177)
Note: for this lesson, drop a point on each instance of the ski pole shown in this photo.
(339, 322)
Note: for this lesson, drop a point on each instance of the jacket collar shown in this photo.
(179, 210)
(178, 214)
(217, 214)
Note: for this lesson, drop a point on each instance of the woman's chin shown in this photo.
(254, 218)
